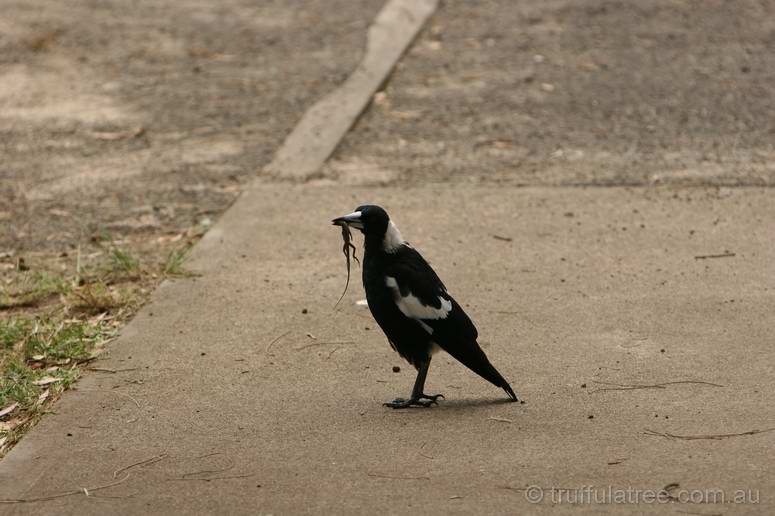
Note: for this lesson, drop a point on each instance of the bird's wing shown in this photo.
(420, 295)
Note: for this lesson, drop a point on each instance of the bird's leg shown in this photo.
(419, 385)
(419, 398)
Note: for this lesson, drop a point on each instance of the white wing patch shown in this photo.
(413, 308)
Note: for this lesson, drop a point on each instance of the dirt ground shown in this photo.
(145, 118)
(590, 92)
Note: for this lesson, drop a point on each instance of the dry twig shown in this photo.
(84, 490)
(716, 437)
(117, 393)
(706, 256)
(276, 339)
(110, 370)
(146, 462)
(377, 475)
(208, 479)
(324, 343)
(423, 454)
(636, 386)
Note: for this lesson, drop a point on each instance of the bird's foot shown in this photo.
(399, 403)
(424, 400)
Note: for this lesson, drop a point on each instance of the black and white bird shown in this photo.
(413, 307)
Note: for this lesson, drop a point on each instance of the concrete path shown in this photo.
(635, 322)
(243, 392)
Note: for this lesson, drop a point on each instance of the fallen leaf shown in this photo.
(201, 52)
(10, 425)
(170, 238)
(119, 135)
(7, 410)
(46, 380)
(406, 115)
(473, 43)
(149, 220)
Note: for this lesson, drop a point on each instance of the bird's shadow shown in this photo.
(458, 405)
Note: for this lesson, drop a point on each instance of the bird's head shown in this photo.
(370, 219)
(375, 225)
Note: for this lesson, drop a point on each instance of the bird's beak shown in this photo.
(353, 219)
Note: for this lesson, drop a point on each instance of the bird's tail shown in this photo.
(480, 364)
(494, 377)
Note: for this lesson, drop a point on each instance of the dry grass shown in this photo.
(57, 315)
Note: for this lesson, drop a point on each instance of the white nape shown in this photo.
(393, 239)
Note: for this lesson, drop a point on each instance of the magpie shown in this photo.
(413, 307)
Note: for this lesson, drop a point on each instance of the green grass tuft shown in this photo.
(16, 385)
(53, 322)
(174, 264)
(40, 361)
(72, 340)
(13, 331)
(123, 262)
(31, 289)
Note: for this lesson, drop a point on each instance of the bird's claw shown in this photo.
(423, 400)
(400, 403)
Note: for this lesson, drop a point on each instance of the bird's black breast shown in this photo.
(406, 335)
